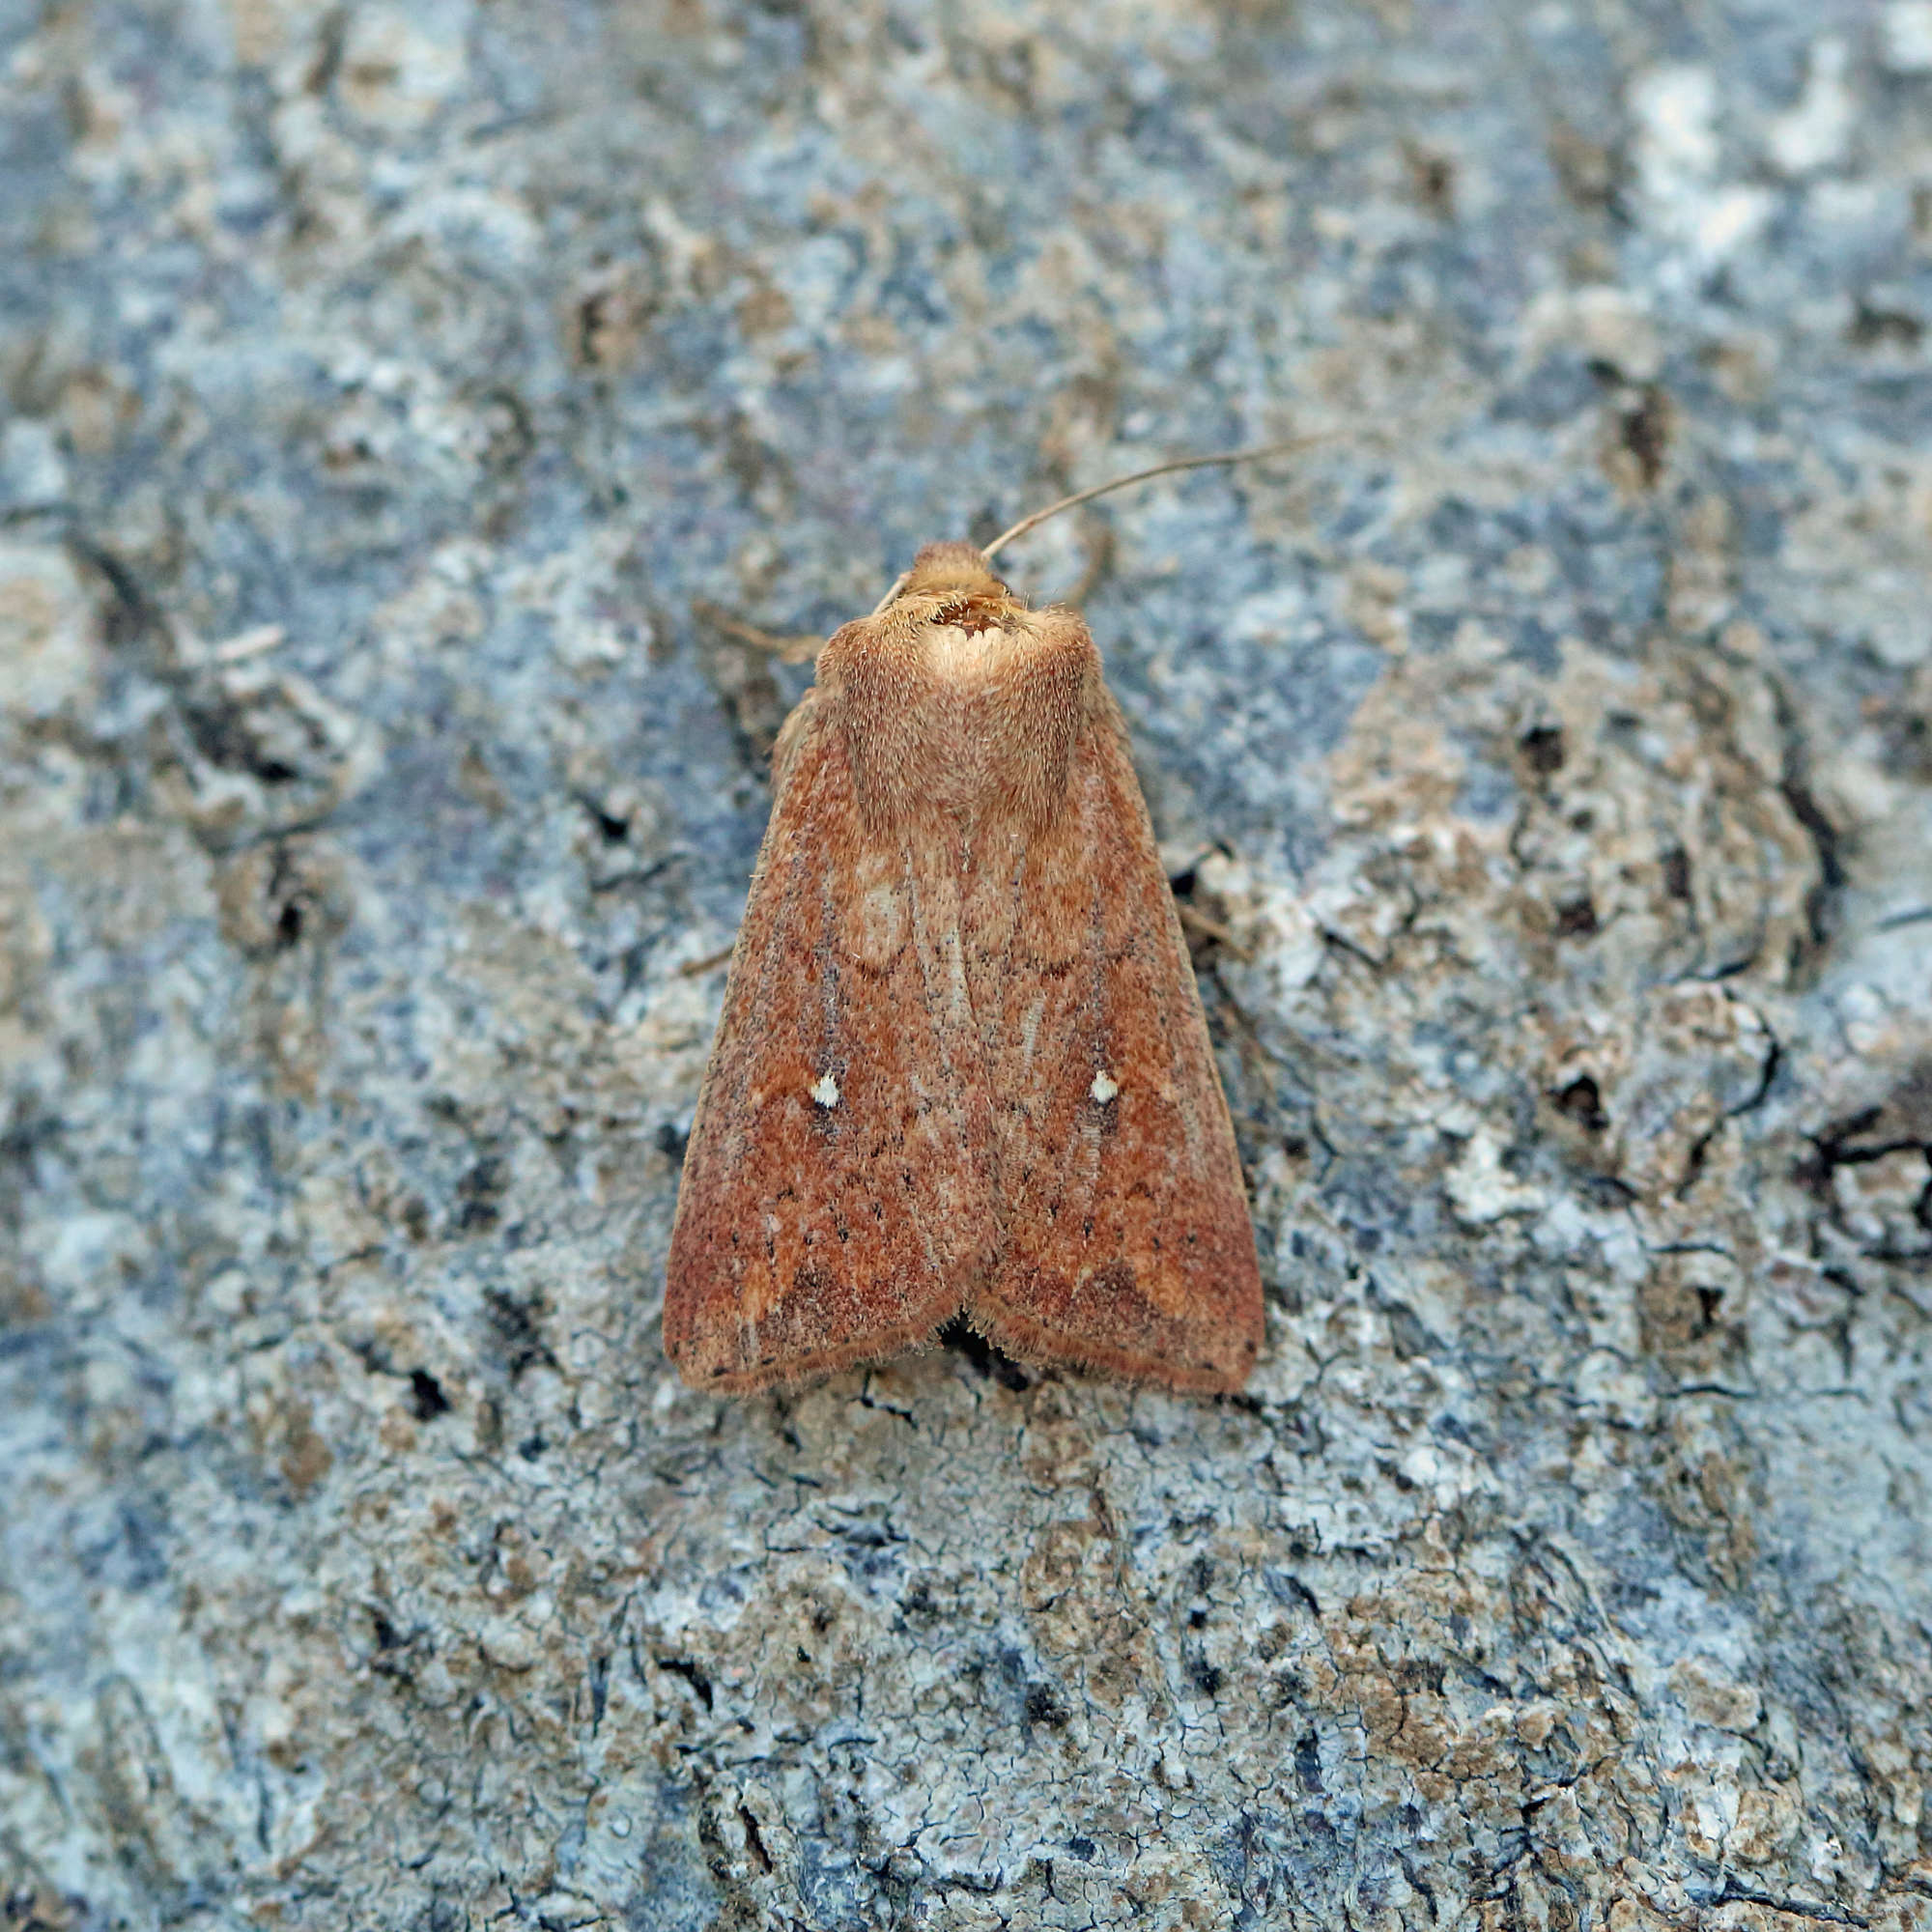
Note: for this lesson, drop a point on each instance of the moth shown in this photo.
(962, 1067)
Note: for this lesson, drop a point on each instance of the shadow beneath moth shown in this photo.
(962, 1067)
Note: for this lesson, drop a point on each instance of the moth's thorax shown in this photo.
(969, 656)
(955, 698)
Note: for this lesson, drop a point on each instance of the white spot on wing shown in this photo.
(1104, 1087)
(825, 1090)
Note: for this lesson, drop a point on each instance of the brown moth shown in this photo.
(962, 1067)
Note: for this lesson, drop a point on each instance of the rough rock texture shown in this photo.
(413, 414)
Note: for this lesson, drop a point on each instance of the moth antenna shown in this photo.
(1024, 524)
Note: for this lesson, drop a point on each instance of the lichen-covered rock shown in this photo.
(429, 431)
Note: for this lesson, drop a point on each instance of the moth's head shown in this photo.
(948, 570)
(953, 570)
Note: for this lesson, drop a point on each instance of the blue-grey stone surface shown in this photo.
(413, 418)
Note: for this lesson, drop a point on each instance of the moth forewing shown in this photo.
(836, 1203)
(1128, 1245)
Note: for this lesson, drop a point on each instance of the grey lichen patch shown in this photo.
(433, 442)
